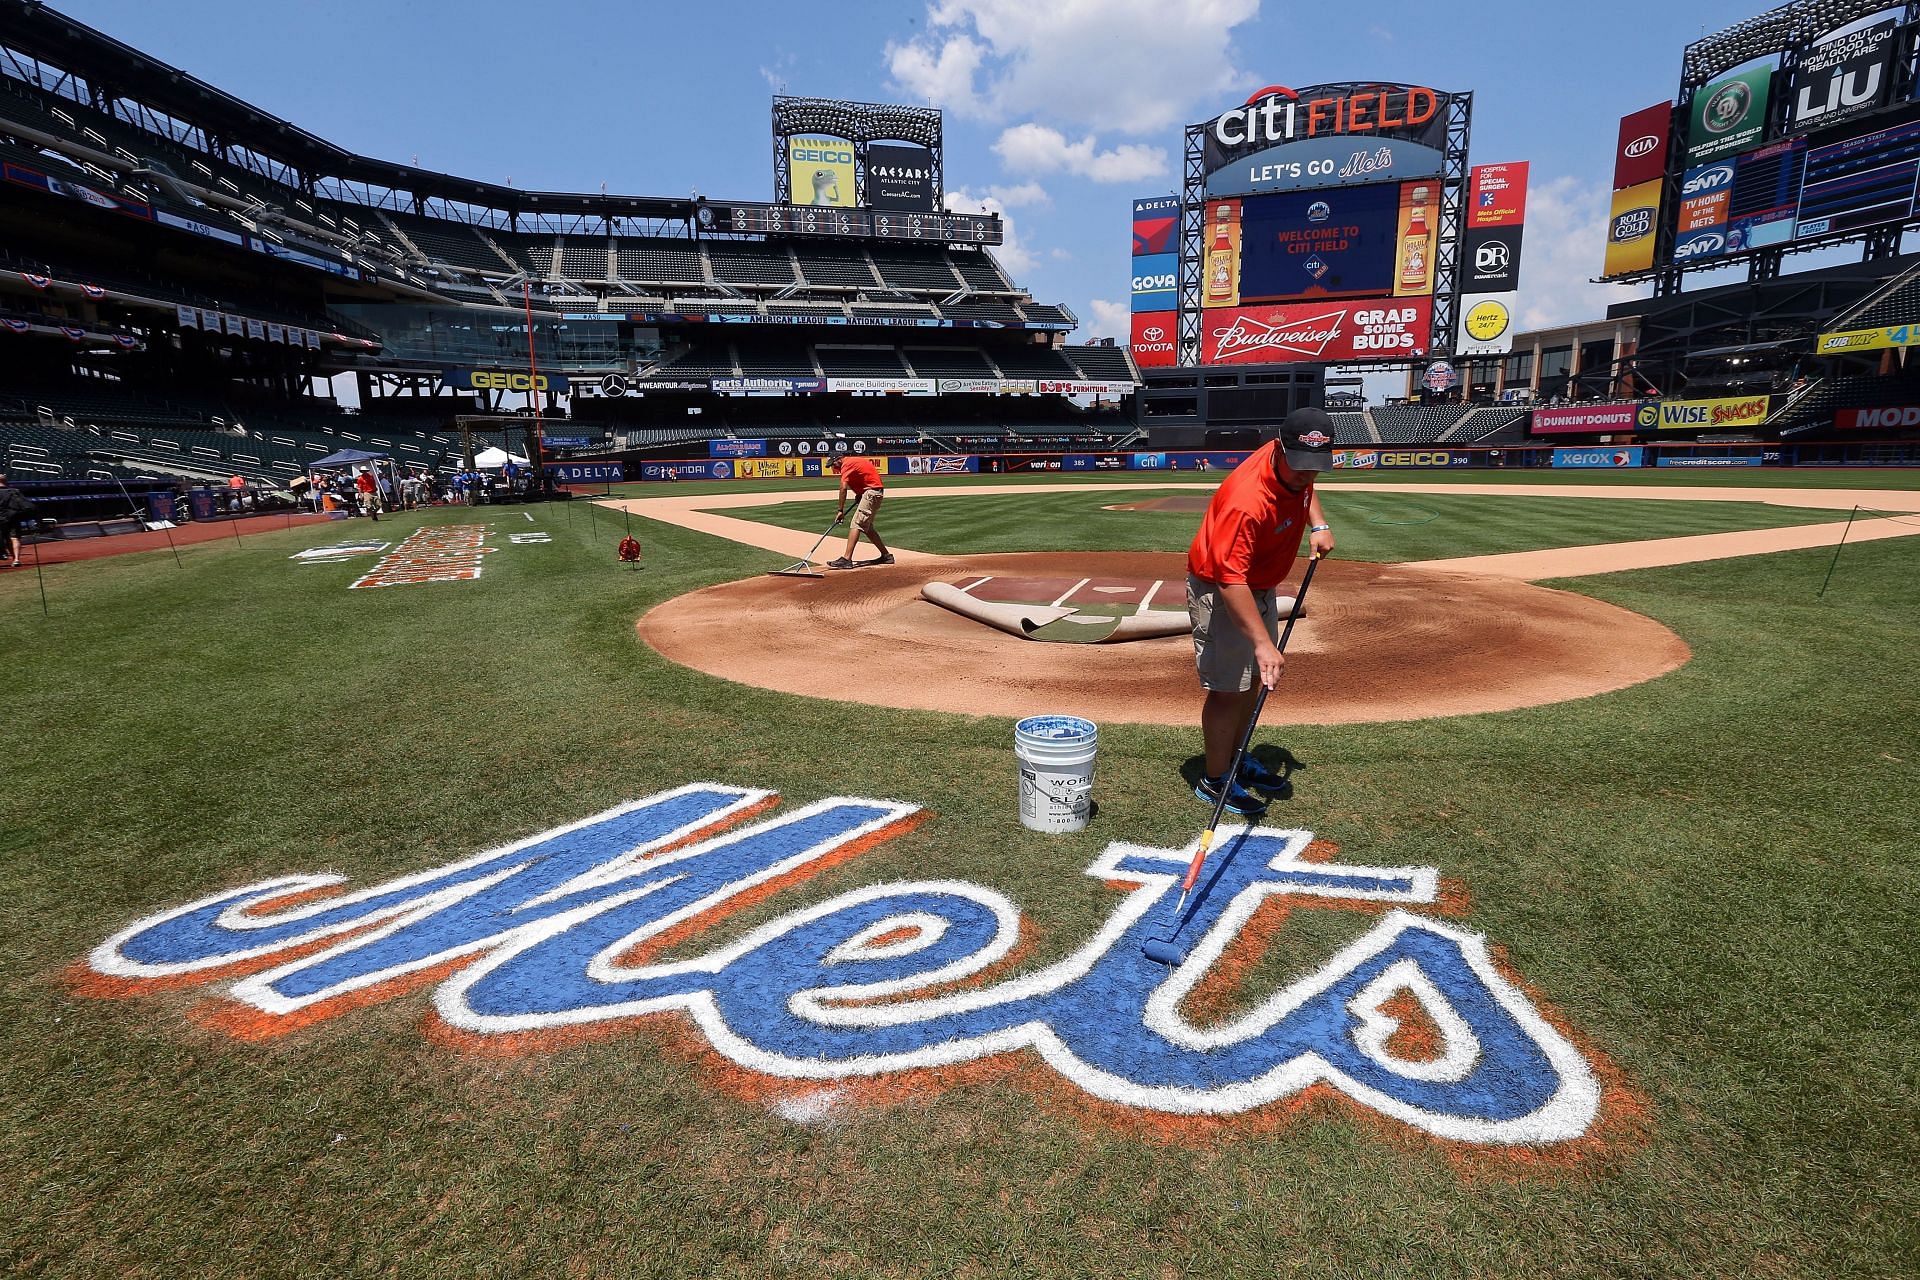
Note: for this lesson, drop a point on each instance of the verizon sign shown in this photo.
(1321, 332)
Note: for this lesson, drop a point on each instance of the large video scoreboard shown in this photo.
(1330, 224)
(1798, 128)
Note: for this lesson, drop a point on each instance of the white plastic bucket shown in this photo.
(1056, 771)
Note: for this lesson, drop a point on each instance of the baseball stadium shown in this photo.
(566, 733)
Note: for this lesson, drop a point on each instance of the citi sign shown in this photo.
(1276, 114)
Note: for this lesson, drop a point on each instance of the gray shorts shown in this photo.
(1222, 652)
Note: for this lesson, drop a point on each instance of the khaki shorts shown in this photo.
(866, 509)
(1222, 653)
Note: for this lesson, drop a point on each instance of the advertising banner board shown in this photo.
(1328, 332)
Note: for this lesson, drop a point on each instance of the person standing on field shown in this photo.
(862, 478)
(1246, 546)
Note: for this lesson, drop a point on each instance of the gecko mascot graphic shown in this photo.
(600, 920)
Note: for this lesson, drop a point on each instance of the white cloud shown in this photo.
(1035, 148)
(1012, 253)
(1109, 320)
(1020, 197)
(1564, 247)
(1131, 66)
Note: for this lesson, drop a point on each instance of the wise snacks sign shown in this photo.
(1729, 413)
(1317, 331)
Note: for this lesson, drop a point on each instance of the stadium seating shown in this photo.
(1417, 424)
(658, 262)
(747, 264)
(860, 362)
(950, 362)
(934, 274)
(826, 268)
(583, 258)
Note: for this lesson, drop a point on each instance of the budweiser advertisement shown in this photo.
(1641, 154)
(1336, 332)
(1153, 337)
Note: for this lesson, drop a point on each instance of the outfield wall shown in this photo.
(1374, 458)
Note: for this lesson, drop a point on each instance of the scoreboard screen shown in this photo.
(815, 220)
(1862, 182)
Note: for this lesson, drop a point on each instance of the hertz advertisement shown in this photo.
(822, 171)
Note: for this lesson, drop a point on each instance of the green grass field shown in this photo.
(1706, 878)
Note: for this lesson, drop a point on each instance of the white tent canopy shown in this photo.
(489, 459)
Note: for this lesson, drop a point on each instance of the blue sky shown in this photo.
(1058, 112)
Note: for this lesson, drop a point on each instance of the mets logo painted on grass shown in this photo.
(598, 921)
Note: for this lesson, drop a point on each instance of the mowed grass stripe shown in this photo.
(1706, 875)
(1385, 527)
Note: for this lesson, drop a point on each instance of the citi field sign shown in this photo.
(1276, 114)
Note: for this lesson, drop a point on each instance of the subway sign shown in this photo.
(504, 380)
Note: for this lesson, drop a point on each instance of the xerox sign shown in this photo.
(1331, 332)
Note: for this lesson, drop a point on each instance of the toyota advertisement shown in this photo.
(1153, 338)
(1394, 328)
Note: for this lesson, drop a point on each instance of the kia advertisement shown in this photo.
(1332, 332)
(1641, 154)
(1154, 334)
(1584, 418)
(1319, 244)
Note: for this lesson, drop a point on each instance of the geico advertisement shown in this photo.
(821, 170)
(1680, 415)
(1325, 331)
(504, 380)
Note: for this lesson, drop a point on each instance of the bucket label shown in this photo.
(1412, 1018)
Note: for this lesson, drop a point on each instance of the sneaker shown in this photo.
(1260, 778)
(1239, 800)
(885, 559)
(841, 563)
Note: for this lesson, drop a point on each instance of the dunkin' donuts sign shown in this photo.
(605, 920)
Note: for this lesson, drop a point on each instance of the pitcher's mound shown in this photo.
(1380, 642)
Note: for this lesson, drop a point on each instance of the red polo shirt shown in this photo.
(1252, 530)
(860, 475)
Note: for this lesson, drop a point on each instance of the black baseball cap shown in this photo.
(1306, 438)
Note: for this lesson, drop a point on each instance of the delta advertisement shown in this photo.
(1332, 332)
(1156, 224)
(821, 170)
(1727, 413)
(1597, 459)
(1153, 338)
(590, 472)
(1324, 244)
(1584, 418)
